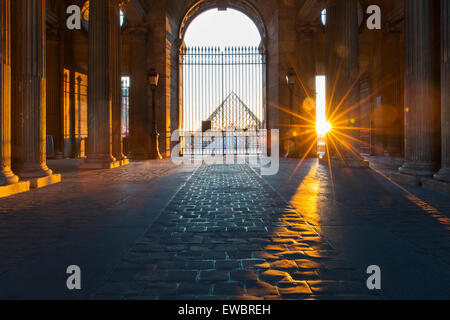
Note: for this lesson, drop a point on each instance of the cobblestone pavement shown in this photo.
(89, 219)
(155, 231)
(370, 219)
(228, 234)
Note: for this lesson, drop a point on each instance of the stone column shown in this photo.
(6, 175)
(330, 70)
(116, 89)
(139, 133)
(422, 105)
(343, 75)
(99, 145)
(54, 88)
(378, 81)
(306, 105)
(392, 90)
(62, 99)
(29, 92)
(444, 173)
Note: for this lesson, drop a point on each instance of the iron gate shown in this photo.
(223, 100)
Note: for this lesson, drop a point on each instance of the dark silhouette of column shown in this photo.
(393, 91)
(139, 133)
(116, 89)
(54, 88)
(99, 144)
(422, 105)
(29, 92)
(378, 81)
(307, 93)
(343, 82)
(444, 173)
(72, 115)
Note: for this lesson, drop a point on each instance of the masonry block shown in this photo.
(45, 181)
(9, 190)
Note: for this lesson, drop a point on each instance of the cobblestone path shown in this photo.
(228, 235)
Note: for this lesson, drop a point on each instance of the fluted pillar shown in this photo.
(422, 99)
(343, 75)
(444, 173)
(6, 174)
(139, 133)
(378, 81)
(99, 145)
(29, 89)
(54, 89)
(307, 93)
(116, 90)
(392, 91)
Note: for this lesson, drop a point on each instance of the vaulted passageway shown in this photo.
(79, 180)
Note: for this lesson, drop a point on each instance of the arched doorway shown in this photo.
(223, 94)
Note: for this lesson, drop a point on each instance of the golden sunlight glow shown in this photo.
(322, 125)
(306, 197)
(323, 128)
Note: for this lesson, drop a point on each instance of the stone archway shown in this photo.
(249, 105)
(203, 5)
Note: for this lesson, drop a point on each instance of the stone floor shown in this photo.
(155, 231)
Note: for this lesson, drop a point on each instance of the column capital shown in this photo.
(307, 30)
(137, 30)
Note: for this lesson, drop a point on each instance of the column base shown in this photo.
(395, 154)
(138, 156)
(155, 156)
(38, 183)
(59, 156)
(99, 165)
(411, 180)
(443, 175)
(123, 160)
(418, 169)
(28, 172)
(436, 185)
(7, 177)
(378, 153)
(12, 189)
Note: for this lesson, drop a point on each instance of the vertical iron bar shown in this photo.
(223, 98)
